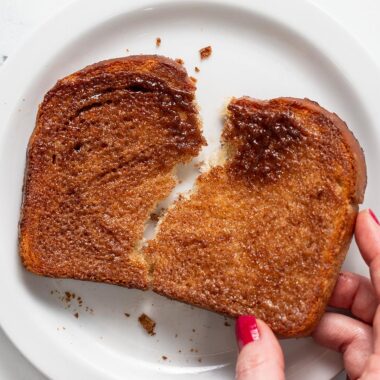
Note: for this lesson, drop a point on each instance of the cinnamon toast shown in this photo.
(106, 142)
(265, 232)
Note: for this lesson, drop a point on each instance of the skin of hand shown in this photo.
(357, 338)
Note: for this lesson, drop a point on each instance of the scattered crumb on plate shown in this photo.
(127, 315)
(197, 69)
(164, 357)
(205, 52)
(148, 324)
(76, 315)
(180, 61)
(158, 41)
(69, 296)
(226, 322)
(193, 79)
(71, 300)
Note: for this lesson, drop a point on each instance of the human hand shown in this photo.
(358, 338)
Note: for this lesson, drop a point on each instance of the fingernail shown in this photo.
(374, 216)
(246, 330)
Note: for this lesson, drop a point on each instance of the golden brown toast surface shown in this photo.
(106, 141)
(266, 232)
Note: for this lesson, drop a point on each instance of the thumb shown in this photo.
(260, 357)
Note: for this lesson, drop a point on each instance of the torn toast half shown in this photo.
(266, 231)
(102, 155)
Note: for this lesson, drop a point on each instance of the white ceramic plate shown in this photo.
(264, 49)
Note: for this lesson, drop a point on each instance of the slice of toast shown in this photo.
(265, 232)
(106, 142)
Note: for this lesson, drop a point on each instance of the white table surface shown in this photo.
(19, 17)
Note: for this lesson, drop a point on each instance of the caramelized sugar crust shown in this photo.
(102, 154)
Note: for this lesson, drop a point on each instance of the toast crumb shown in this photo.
(199, 164)
(69, 297)
(127, 315)
(164, 357)
(197, 69)
(76, 315)
(154, 217)
(158, 41)
(227, 324)
(200, 360)
(180, 61)
(148, 324)
(205, 52)
(194, 79)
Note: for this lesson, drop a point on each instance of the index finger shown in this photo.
(367, 235)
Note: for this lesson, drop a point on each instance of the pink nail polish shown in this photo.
(374, 216)
(246, 330)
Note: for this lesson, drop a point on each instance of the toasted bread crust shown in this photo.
(106, 141)
(349, 138)
(266, 233)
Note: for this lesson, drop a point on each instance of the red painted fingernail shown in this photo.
(246, 330)
(374, 216)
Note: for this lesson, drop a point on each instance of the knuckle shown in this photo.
(248, 366)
